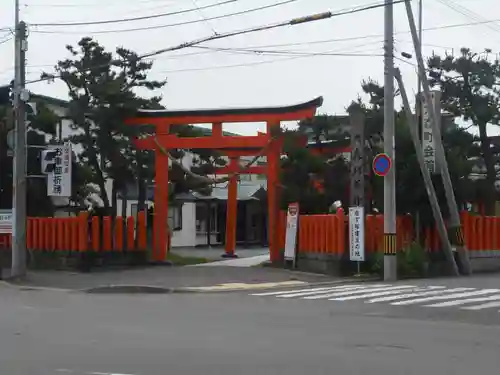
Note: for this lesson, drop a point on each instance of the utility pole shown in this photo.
(18, 267)
(431, 192)
(420, 28)
(455, 227)
(390, 262)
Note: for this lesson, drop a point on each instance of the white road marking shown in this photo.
(459, 302)
(386, 293)
(361, 291)
(306, 295)
(246, 286)
(398, 295)
(299, 291)
(418, 294)
(449, 296)
(67, 371)
(488, 305)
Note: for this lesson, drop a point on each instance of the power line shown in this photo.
(464, 11)
(113, 4)
(302, 56)
(8, 39)
(280, 52)
(371, 36)
(246, 51)
(315, 42)
(142, 18)
(268, 27)
(124, 11)
(339, 13)
(292, 22)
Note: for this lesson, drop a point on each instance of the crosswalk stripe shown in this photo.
(308, 293)
(302, 290)
(419, 294)
(379, 294)
(438, 296)
(449, 296)
(488, 305)
(459, 302)
(360, 291)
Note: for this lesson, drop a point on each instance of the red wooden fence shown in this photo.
(328, 233)
(75, 234)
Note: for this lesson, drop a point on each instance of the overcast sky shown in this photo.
(207, 79)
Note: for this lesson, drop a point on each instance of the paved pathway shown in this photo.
(238, 262)
(215, 253)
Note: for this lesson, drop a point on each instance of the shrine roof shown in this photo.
(169, 113)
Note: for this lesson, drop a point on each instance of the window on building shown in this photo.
(213, 219)
(201, 218)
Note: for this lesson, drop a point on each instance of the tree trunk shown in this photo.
(114, 199)
(124, 206)
(141, 186)
(489, 199)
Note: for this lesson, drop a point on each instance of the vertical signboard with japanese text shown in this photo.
(357, 169)
(59, 179)
(427, 136)
(292, 220)
(356, 234)
(357, 199)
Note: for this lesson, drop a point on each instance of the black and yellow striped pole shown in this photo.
(390, 244)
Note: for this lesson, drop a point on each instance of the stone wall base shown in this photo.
(82, 262)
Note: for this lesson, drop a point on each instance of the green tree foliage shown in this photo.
(301, 167)
(470, 83)
(104, 89)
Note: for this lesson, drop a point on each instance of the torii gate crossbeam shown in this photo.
(163, 119)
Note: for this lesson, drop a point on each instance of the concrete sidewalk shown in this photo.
(158, 278)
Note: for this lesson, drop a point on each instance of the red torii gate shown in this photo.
(232, 146)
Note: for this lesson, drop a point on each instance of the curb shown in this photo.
(32, 287)
(130, 289)
(220, 288)
(202, 290)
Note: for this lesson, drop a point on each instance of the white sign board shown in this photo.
(357, 233)
(6, 219)
(59, 180)
(428, 141)
(292, 220)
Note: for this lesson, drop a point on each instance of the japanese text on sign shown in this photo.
(357, 233)
(291, 231)
(59, 181)
(428, 141)
(357, 170)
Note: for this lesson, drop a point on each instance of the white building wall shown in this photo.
(186, 237)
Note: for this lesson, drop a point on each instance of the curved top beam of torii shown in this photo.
(246, 114)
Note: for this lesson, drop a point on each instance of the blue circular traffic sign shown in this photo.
(382, 165)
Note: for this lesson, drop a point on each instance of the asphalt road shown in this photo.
(57, 333)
